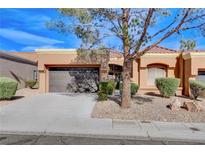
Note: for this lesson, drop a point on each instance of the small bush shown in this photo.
(31, 83)
(103, 86)
(112, 82)
(167, 86)
(133, 88)
(102, 96)
(110, 89)
(197, 88)
(36, 86)
(107, 87)
(8, 88)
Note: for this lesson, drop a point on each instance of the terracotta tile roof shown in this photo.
(189, 51)
(115, 54)
(159, 49)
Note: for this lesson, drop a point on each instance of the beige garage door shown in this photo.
(67, 79)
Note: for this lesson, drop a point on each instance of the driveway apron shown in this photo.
(38, 113)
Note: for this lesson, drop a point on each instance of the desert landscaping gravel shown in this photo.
(147, 108)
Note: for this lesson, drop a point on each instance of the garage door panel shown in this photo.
(63, 79)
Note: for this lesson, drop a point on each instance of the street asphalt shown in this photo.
(49, 117)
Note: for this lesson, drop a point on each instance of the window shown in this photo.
(155, 72)
(201, 72)
(201, 76)
(35, 74)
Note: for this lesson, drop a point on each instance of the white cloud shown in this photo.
(32, 48)
(37, 22)
(25, 38)
(31, 21)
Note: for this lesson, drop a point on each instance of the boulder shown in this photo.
(175, 105)
(192, 106)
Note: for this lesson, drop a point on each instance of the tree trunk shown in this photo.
(125, 102)
(126, 96)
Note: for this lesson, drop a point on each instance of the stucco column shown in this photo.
(42, 81)
(135, 72)
(104, 74)
(181, 69)
(104, 67)
(143, 77)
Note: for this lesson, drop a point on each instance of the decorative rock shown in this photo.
(192, 106)
(175, 105)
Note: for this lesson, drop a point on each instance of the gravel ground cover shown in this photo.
(21, 93)
(147, 108)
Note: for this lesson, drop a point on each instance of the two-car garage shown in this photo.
(73, 79)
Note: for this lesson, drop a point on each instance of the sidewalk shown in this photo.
(68, 115)
(110, 129)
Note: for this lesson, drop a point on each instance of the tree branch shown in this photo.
(176, 29)
(162, 30)
(125, 21)
(146, 25)
(195, 18)
(193, 27)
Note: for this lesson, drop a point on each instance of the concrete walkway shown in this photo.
(68, 115)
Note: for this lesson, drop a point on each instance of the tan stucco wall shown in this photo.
(19, 71)
(169, 61)
(135, 71)
(27, 55)
(60, 58)
(193, 62)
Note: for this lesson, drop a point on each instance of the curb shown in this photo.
(100, 135)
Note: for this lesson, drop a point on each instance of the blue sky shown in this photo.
(25, 30)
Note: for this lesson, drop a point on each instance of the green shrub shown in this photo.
(36, 86)
(133, 88)
(110, 89)
(102, 96)
(112, 82)
(167, 86)
(197, 88)
(31, 83)
(107, 87)
(8, 88)
(103, 86)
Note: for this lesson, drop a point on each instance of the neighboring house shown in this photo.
(57, 68)
(18, 68)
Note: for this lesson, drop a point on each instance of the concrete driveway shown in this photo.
(49, 112)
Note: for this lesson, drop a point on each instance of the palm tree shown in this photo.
(187, 45)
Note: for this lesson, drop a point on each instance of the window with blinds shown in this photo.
(154, 73)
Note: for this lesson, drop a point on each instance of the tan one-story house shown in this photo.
(57, 67)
